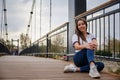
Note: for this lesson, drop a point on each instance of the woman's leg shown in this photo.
(94, 67)
(83, 59)
(99, 65)
(86, 68)
(90, 55)
(80, 58)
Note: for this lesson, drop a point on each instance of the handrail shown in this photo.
(46, 36)
(98, 8)
(101, 23)
(59, 27)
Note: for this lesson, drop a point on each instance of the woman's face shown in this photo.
(81, 26)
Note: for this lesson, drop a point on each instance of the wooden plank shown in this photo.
(36, 68)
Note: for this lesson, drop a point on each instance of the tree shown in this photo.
(111, 45)
(25, 41)
(57, 45)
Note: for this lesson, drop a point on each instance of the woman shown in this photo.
(84, 44)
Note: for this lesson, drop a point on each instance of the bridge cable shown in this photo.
(40, 16)
(35, 22)
(35, 28)
(31, 13)
(1, 34)
(50, 12)
(5, 18)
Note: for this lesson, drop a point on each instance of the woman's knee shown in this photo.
(100, 66)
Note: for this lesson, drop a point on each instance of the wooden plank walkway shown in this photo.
(36, 68)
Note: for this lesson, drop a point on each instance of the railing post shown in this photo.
(47, 47)
(67, 40)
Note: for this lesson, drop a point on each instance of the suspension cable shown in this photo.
(1, 22)
(30, 17)
(35, 22)
(50, 13)
(5, 18)
(35, 50)
(40, 16)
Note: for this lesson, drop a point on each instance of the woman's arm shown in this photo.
(77, 46)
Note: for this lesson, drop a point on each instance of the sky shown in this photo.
(18, 14)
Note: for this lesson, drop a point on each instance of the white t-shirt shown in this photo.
(89, 38)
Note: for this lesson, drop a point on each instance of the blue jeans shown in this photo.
(83, 58)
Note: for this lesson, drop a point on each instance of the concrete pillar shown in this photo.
(71, 15)
(75, 7)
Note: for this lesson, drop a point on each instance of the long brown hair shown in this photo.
(77, 31)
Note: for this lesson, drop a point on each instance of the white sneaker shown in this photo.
(70, 68)
(94, 72)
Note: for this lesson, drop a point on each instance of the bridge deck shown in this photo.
(34, 68)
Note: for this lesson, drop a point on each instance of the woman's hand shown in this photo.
(91, 45)
(95, 44)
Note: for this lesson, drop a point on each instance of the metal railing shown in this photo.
(52, 44)
(4, 49)
(104, 22)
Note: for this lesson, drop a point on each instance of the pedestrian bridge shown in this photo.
(38, 68)
(103, 21)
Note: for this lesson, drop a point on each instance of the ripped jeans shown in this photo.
(83, 58)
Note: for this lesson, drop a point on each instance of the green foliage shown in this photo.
(110, 44)
(103, 53)
(42, 48)
(117, 71)
(55, 56)
(25, 40)
(2, 41)
(57, 44)
(118, 55)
